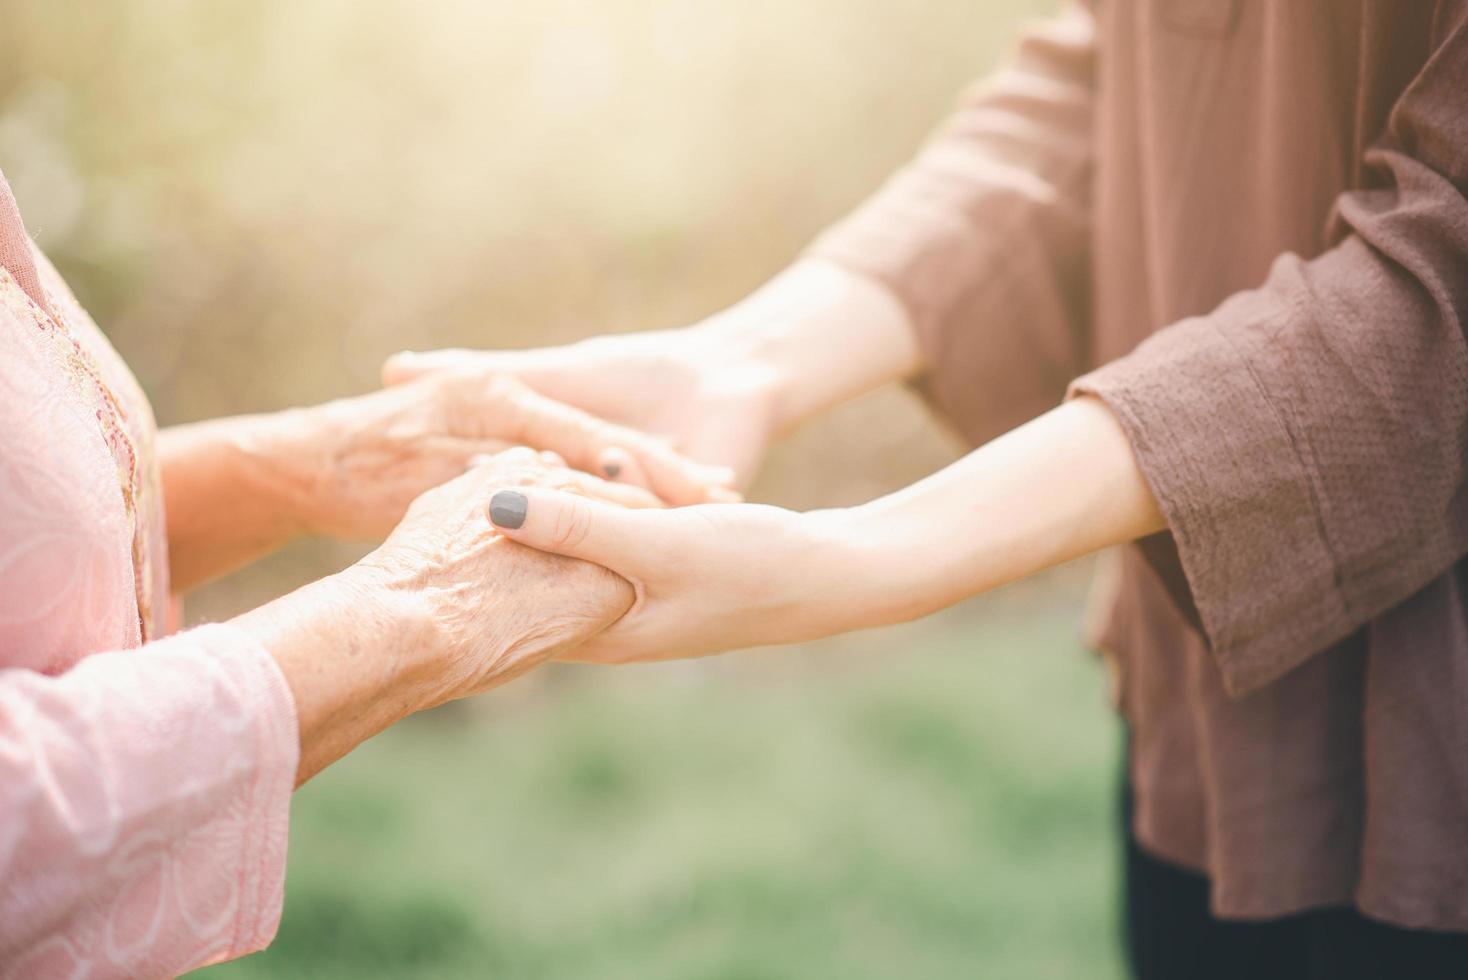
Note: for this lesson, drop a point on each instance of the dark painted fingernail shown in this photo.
(507, 509)
(612, 470)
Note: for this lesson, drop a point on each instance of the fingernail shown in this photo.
(723, 495)
(507, 509)
(612, 470)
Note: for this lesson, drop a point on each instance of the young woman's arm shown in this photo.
(724, 577)
(970, 264)
(815, 335)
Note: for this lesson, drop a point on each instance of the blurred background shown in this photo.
(258, 201)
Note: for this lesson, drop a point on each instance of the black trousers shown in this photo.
(1170, 935)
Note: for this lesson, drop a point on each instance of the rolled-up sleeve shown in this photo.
(1308, 439)
(984, 236)
(145, 797)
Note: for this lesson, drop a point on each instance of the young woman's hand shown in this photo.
(708, 578)
(722, 389)
(721, 577)
(678, 384)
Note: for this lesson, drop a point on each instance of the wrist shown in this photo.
(390, 619)
(889, 562)
(276, 460)
(816, 335)
(845, 574)
(749, 344)
(348, 655)
(291, 455)
(740, 351)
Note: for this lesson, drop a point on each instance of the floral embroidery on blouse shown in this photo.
(123, 420)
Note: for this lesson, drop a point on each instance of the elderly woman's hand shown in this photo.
(445, 608)
(490, 608)
(362, 460)
(239, 487)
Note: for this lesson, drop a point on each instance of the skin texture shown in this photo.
(238, 488)
(444, 609)
(719, 578)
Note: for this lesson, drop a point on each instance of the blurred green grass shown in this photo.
(920, 802)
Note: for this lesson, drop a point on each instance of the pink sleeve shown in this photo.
(144, 790)
(145, 796)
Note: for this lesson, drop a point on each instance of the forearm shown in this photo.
(352, 653)
(820, 334)
(1060, 487)
(231, 492)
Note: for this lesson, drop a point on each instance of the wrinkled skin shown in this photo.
(372, 455)
(491, 608)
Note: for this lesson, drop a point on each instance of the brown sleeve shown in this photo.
(1308, 440)
(984, 236)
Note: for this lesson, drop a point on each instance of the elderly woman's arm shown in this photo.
(237, 488)
(145, 793)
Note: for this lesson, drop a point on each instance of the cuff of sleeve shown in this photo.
(965, 297)
(1237, 499)
(269, 711)
(912, 240)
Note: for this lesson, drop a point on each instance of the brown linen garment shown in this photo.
(1258, 206)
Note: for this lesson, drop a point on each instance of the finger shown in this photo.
(521, 456)
(675, 477)
(618, 493)
(619, 453)
(408, 365)
(616, 463)
(549, 470)
(622, 494)
(583, 440)
(575, 526)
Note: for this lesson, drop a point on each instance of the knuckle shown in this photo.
(520, 457)
(514, 415)
(501, 386)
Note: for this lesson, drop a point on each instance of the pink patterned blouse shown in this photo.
(144, 782)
